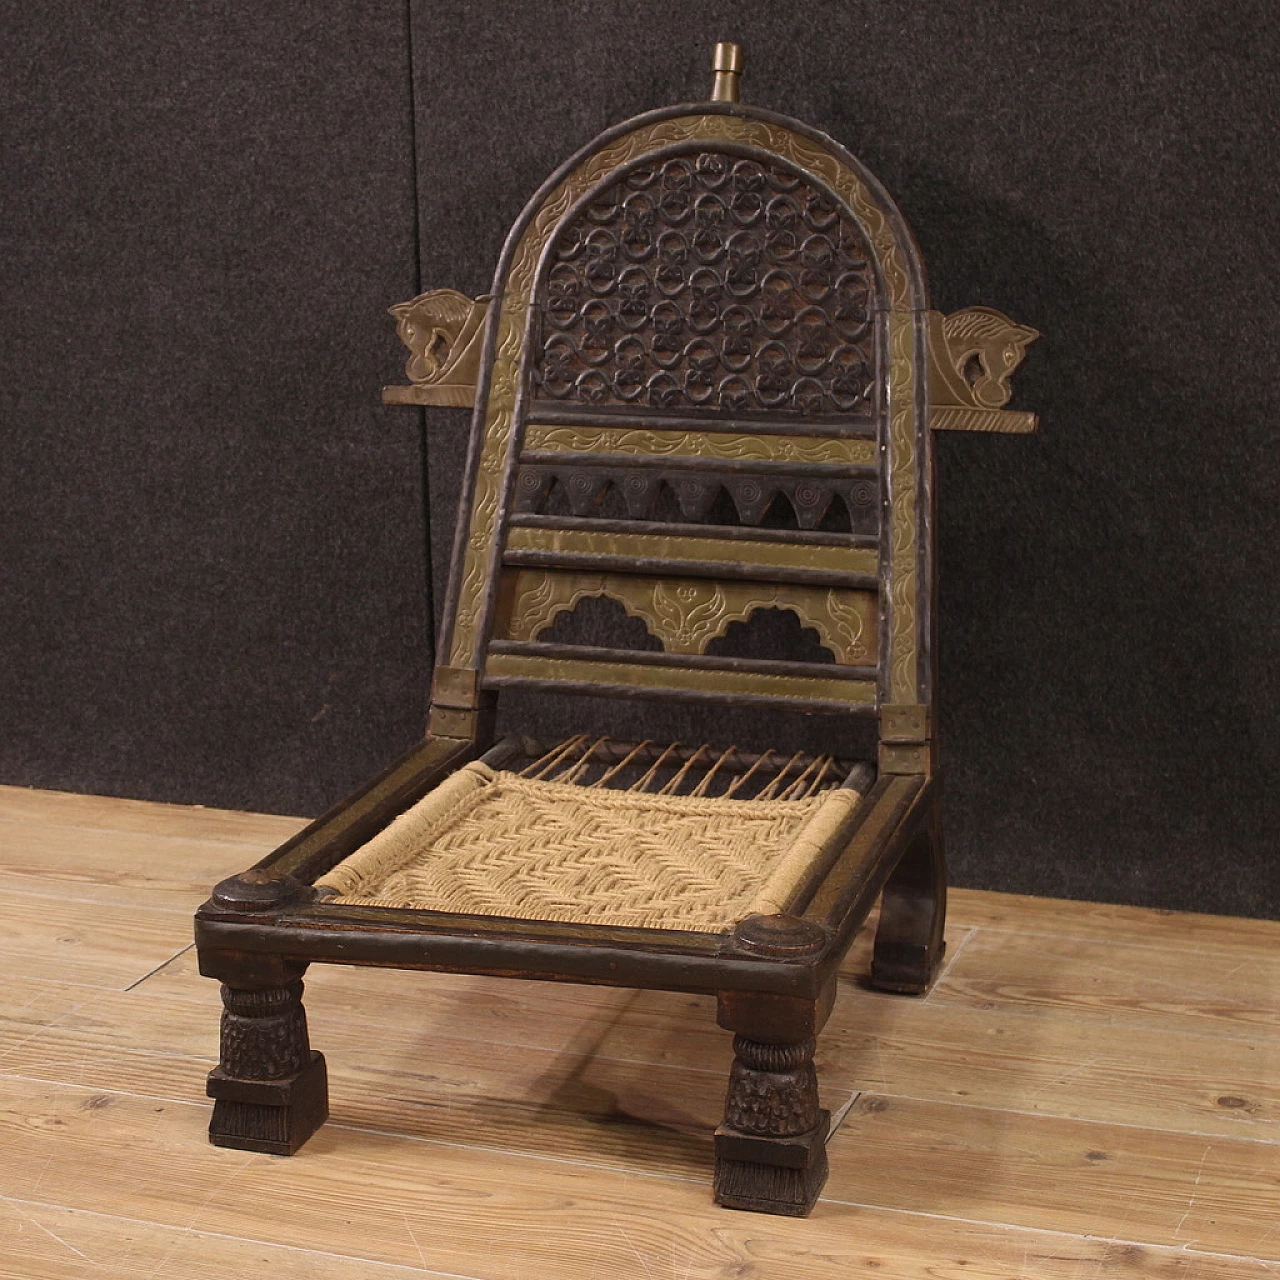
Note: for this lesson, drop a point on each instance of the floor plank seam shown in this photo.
(35, 1035)
(185, 1099)
(1052, 1231)
(11, 891)
(948, 961)
(1266, 1034)
(223, 1235)
(1172, 945)
(1048, 1115)
(625, 1170)
(251, 843)
(163, 965)
(206, 1061)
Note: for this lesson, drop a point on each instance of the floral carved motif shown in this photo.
(685, 614)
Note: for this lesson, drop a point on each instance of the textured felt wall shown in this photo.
(212, 534)
(212, 569)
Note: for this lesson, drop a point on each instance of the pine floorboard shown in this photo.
(1089, 1090)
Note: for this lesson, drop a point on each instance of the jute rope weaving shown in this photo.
(494, 843)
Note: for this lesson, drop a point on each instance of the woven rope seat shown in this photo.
(545, 844)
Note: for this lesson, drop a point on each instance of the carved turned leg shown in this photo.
(771, 1153)
(270, 1089)
(909, 945)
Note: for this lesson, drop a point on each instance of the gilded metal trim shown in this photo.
(818, 162)
(972, 355)
(686, 614)
(640, 546)
(1006, 421)
(907, 722)
(514, 666)
(700, 444)
(904, 516)
(444, 331)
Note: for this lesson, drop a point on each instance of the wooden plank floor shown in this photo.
(1088, 1091)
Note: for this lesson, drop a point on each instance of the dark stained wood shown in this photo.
(710, 286)
(753, 533)
(909, 945)
(742, 570)
(650, 658)
(834, 426)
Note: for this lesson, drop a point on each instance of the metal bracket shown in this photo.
(904, 722)
(455, 687)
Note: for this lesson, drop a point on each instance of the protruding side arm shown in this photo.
(444, 331)
(972, 354)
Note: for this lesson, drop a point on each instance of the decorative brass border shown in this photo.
(700, 444)
(814, 160)
(686, 614)
(903, 514)
(659, 546)
(1008, 421)
(582, 671)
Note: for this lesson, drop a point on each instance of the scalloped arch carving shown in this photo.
(686, 614)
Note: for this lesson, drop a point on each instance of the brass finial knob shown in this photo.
(727, 64)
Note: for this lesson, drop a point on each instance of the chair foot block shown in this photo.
(781, 1176)
(272, 1116)
(905, 974)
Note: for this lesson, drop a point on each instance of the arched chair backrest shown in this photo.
(702, 394)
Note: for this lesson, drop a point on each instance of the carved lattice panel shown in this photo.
(709, 281)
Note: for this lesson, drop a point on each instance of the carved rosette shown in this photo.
(264, 1032)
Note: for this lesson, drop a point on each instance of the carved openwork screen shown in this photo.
(697, 467)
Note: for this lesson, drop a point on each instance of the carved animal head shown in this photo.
(985, 347)
(429, 326)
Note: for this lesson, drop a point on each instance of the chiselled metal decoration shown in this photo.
(700, 444)
(686, 615)
(710, 281)
(972, 354)
(443, 330)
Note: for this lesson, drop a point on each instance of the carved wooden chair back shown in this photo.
(704, 385)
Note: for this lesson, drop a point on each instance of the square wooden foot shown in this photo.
(771, 1175)
(905, 969)
(275, 1116)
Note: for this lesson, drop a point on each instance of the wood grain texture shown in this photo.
(1123, 982)
(261, 831)
(1053, 1110)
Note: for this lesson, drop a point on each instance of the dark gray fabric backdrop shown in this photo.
(213, 574)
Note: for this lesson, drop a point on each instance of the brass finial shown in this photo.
(727, 64)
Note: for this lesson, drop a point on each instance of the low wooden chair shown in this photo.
(704, 387)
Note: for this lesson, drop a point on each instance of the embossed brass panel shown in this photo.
(700, 444)
(812, 159)
(787, 555)
(904, 647)
(686, 614)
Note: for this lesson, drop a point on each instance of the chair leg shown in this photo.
(909, 943)
(270, 1089)
(771, 1150)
